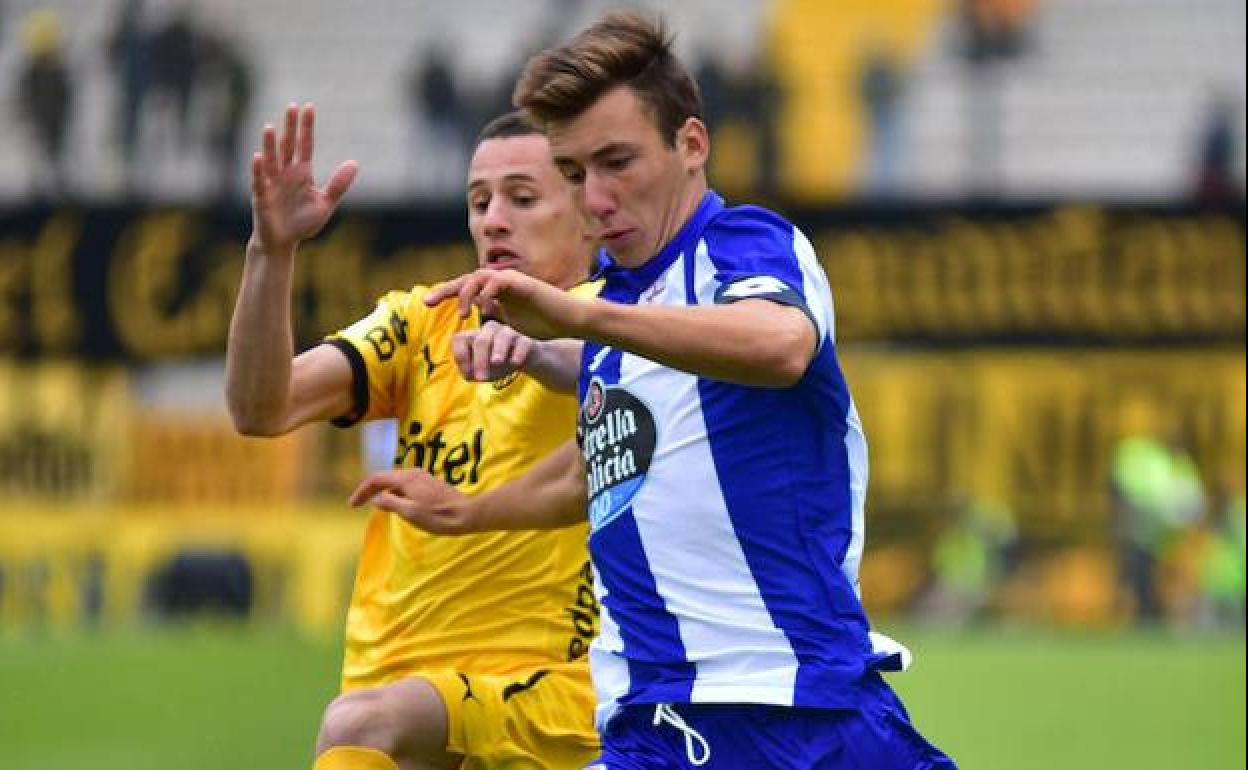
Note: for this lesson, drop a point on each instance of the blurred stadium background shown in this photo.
(1032, 215)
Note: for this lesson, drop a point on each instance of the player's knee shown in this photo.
(405, 719)
(358, 719)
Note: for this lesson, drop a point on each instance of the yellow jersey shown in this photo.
(493, 603)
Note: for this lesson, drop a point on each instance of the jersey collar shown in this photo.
(684, 239)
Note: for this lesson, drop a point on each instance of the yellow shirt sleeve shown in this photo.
(380, 347)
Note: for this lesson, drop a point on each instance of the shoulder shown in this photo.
(749, 231)
(410, 304)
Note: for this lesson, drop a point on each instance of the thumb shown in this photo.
(341, 179)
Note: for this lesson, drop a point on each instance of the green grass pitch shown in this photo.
(237, 699)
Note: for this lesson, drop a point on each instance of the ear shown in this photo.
(693, 142)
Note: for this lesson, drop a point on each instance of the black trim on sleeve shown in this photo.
(781, 296)
(359, 383)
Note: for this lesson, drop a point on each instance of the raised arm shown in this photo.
(268, 390)
(551, 495)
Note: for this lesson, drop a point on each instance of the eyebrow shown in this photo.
(517, 176)
(602, 152)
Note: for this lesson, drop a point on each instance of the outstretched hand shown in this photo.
(287, 206)
(526, 304)
(423, 500)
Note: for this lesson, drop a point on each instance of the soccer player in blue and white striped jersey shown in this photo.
(718, 450)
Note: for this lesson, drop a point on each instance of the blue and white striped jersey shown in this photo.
(726, 520)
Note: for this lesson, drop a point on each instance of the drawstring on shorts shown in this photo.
(663, 712)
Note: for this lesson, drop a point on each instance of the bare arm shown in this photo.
(268, 390)
(496, 350)
(556, 364)
(751, 342)
(551, 495)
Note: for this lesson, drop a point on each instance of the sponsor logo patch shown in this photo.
(616, 433)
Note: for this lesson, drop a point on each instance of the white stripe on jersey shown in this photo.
(703, 548)
(610, 670)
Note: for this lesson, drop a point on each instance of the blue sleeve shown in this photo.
(759, 255)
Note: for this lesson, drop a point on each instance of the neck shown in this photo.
(687, 202)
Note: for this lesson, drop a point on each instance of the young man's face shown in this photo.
(636, 189)
(521, 213)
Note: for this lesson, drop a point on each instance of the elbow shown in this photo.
(788, 360)
(788, 371)
(246, 425)
(251, 423)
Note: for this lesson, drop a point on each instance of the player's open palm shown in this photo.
(287, 206)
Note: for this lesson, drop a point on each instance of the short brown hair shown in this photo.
(508, 126)
(623, 48)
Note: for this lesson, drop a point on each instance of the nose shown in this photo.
(598, 196)
(494, 221)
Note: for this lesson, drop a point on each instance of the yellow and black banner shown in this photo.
(137, 284)
(1036, 430)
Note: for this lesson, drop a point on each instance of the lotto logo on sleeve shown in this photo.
(617, 435)
(758, 287)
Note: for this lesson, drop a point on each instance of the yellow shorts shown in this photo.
(541, 719)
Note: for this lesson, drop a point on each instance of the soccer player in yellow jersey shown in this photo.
(460, 652)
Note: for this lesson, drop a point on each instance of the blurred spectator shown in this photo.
(1157, 494)
(740, 102)
(713, 84)
(993, 32)
(1222, 566)
(995, 29)
(1215, 183)
(881, 88)
(173, 59)
(436, 104)
(45, 96)
(226, 77)
(128, 55)
(969, 562)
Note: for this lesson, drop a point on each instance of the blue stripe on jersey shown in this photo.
(748, 241)
(654, 658)
(631, 595)
(794, 520)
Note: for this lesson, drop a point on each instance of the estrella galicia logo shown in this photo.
(617, 434)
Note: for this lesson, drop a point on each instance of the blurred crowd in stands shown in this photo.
(185, 83)
(1179, 546)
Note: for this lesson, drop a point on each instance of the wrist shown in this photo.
(257, 249)
(464, 511)
(538, 359)
(582, 320)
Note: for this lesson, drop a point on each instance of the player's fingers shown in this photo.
(504, 340)
(417, 516)
(389, 501)
(470, 290)
(520, 350)
(342, 178)
(269, 148)
(374, 483)
(258, 183)
(286, 145)
(307, 133)
(445, 290)
(461, 351)
(487, 296)
(481, 347)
